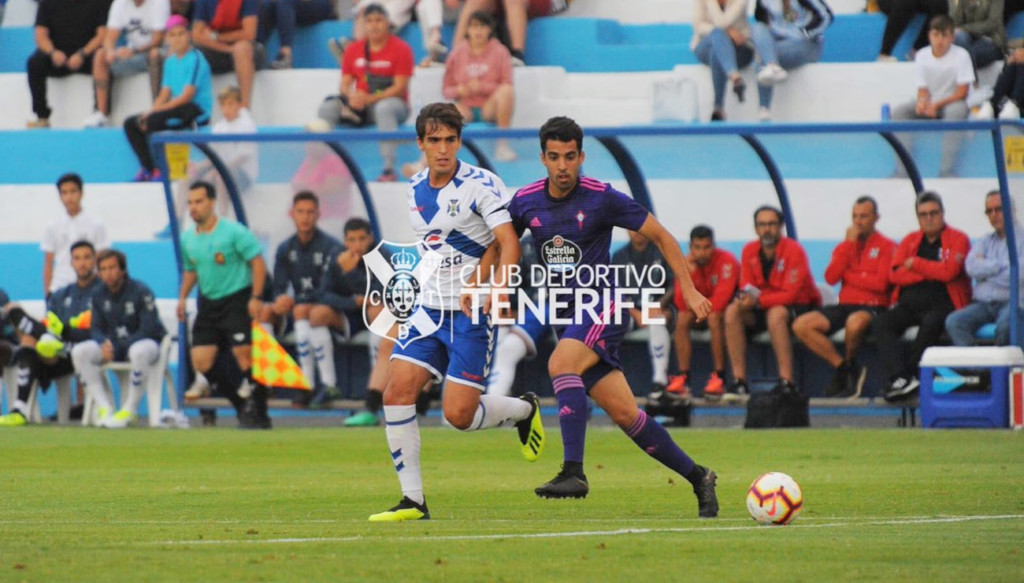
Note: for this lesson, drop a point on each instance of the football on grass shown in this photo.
(774, 499)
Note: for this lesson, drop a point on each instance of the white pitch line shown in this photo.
(590, 533)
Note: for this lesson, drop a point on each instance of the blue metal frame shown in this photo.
(776, 178)
(630, 170)
(229, 181)
(1011, 236)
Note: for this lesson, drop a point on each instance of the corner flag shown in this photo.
(272, 366)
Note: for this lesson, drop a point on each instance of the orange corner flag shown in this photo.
(272, 366)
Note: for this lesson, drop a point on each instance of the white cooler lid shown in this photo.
(973, 356)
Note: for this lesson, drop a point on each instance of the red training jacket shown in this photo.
(716, 281)
(790, 282)
(863, 267)
(950, 270)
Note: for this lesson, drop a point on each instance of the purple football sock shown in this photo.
(572, 414)
(653, 439)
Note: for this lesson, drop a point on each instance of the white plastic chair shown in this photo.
(154, 385)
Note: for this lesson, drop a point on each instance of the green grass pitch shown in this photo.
(291, 505)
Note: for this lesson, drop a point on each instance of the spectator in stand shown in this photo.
(980, 30)
(142, 22)
(861, 262)
(721, 40)
(928, 272)
(714, 272)
(300, 265)
(68, 33)
(65, 230)
(125, 327)
(514, 14)
(643, 267)
(943, 75)
(375, 76)
(1008, 93)
(788, 34)
(988, 264)
(185, 97)
(343, 306)
(775, 288)
(225, 32)
(43, 354)
(284, 16)
(478, 77)
(899, 13)
(429, 13)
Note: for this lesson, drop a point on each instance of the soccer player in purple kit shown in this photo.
(572, 217)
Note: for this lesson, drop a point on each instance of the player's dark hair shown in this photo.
(561, 129)
(376, 9)
(928, 196)
(122, 261)
(305, 195)
(702, 232)
(435, 116)
(869, 199)
(82, 243)
(486, 19)
(941, 23)
(211, 192)
(358, 224)
(69, 177)
(767, 207)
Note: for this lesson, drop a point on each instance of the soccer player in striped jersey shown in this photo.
(457, 210)
(571, 219)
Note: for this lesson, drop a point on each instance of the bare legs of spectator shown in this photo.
(812, 329)
(684, 345)
(737, 320)
(245, 69)
(778, 318)
(103, 73)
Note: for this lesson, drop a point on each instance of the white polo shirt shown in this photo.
(61, 233)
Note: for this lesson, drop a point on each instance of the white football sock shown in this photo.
(87, 360)
(323, 352)
(143, 355)
(302, 346)
(498, 411)
(511, 349)
(403, 432)
(658, 345)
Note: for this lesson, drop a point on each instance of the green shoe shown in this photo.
(14, 419)
(405, 510)
(531, 430)
(364, 419)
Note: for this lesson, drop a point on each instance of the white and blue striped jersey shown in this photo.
(457, 223)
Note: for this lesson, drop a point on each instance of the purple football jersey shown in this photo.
(574, 230)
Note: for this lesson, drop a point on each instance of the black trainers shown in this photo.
(404, 510)
(902, 388)
(657, 394)
(839, 382)
(565, 485)
(853, 382)
(737, 391)
(707, 500)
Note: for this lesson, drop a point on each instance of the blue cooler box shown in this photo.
(968, 386)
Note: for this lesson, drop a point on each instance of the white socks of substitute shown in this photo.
(658, 345)
(403, 432)
(511, 349)
(87, 359)
(143, 355)
(302, 346)
(323, 353)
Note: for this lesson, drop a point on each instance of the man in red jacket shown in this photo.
(861, 263)
(715, 273)
(775, 288)
(928, 272)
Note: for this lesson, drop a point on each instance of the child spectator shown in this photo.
(721, 40)
(285, 16)
(67, 33)
(788, 34)
(142, 22)
(185, 97)
(478, 76)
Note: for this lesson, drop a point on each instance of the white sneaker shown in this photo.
(504, 153)
(771, 74)
(1009, 110)
(96, 120)
(985, 111)
(764, 114)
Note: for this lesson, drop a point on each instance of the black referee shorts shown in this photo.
(224, 321)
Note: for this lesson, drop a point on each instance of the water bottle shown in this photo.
(886, 112)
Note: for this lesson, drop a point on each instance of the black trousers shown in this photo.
(170, 119)
(39, 68)
(900, 13)
(890, 325)
(1010, 84)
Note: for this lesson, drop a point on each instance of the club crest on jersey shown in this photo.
(397, 285)
(579, 218)
(453, 208)
(873, 253)
(560, 254)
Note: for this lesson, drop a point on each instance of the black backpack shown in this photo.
(778, 407)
